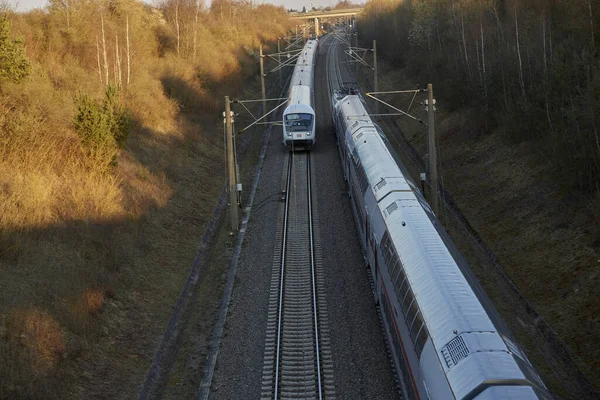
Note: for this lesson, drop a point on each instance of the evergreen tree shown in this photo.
(14, 64)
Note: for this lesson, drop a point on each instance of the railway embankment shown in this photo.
(94, 251)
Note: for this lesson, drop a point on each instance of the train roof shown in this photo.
(298, 109)
(457, 322)
(379, 165)
(430, 268)
(304, 68)
(299, 95)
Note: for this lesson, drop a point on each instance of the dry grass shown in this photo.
(40, 335)
(32, 346)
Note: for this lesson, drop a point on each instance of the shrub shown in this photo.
(14, 64)
(117, 117)
(102, 125)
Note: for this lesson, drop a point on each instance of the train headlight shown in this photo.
(308, 133)
(289, 133)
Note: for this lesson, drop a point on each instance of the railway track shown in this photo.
(297, 362)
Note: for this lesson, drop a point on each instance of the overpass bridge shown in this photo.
(321, 15)
(326, 14)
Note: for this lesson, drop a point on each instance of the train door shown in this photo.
(376, 255)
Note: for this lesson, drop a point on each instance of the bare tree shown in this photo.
(545, 70)
(462, 21)
(128, 53)
(521, 80)
(177, 24)
(6, 7)
(485, 94)
(118, 80)
(591, 24)
(62, 7)
(98, 59)
(104, 50)
(196, 29)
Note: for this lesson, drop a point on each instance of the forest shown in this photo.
(531, 67)
(108, 156)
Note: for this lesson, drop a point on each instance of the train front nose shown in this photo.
(300, 139)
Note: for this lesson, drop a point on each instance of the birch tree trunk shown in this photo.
(550, 41)
(116, 81)
(177, 24)
(521, 81)
(98, 59)
(485, 94)
(462, 21)
(128, 54)
(104, 52)
(592, 25)
(544, 44)
(546, 71)
(196, 30)
(118, 59)
(68, 12)
(479, 69)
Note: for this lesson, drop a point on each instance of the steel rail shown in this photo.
(312, 270)
(293, 295)
(281, 282)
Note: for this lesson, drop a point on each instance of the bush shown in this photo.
(14, 64)
(101, 125)
(117, 117)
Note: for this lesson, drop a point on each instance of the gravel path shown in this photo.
(361, 366)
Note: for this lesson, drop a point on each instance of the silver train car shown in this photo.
(299, 115)
(446, 339)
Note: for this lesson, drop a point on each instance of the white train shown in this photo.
(446, 339)
(299, 115)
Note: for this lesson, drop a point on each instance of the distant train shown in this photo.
(446, 339)
(299, 115)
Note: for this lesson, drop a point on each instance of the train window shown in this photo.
(403, 288)
(385, 244)
(341, 125)
(395, 263)
(396, 276)
(407, 301)
(390, 254)
(390, 321)
(412, 312)
(415, 325)
(298, 122)
(362, 178)
(387, 255)
(422, 337)
(355, 157)
(400, 282)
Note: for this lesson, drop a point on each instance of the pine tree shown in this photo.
(14, 64)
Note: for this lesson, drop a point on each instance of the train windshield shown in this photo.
(298, 122)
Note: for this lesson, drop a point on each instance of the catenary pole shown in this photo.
(433, 175)
(233, 207)
(262, 81)
(279, 61)
(356, 46)
(375, 81)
